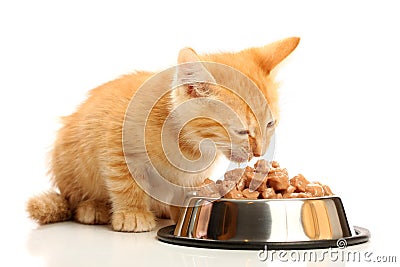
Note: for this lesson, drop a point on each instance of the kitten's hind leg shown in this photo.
(93, 212)
(130, 206)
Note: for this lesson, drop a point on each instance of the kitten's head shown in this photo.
(228, 98)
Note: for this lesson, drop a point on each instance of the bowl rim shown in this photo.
(246, 200)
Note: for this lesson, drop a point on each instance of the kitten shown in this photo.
(97, 163)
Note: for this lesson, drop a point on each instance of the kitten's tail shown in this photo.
(49, 207)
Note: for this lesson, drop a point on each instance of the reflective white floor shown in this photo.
(73, 244)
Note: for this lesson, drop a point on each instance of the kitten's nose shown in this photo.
(255, 148)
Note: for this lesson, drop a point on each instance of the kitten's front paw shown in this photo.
(133, 221)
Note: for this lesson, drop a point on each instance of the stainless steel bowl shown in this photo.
(249, 224)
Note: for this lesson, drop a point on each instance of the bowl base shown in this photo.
(166, 235)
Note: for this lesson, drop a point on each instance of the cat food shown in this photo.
(267, 180)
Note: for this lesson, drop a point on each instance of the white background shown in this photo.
(339, 88)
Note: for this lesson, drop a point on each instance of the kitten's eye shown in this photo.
(242, 132)
(271, 124)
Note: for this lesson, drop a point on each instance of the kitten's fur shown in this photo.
(88, 164)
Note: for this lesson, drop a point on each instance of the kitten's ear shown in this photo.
(272, 54)
(192, 74)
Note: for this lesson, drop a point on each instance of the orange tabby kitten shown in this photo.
(96, 173)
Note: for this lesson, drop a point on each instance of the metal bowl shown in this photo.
(252, 224)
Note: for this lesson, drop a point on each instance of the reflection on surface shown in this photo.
(203, 220)
(223, 222)
(315, 220)
(73, 244)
